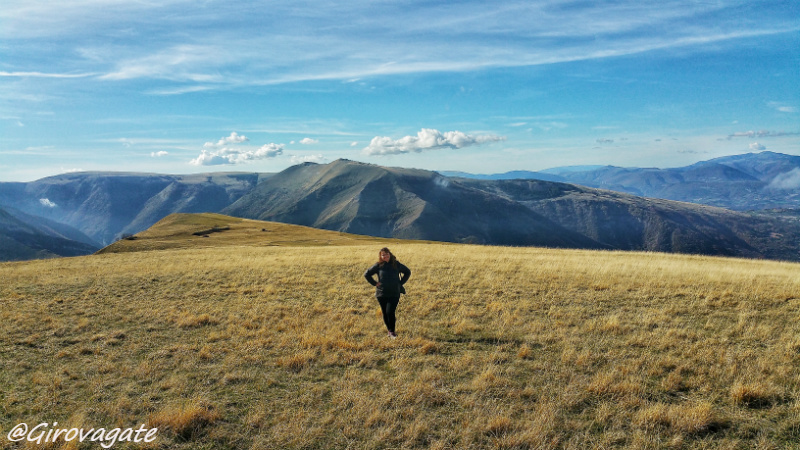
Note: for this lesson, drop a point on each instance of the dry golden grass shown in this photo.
(186, 421)
(280, 346)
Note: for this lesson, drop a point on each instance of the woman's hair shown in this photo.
(392, 259)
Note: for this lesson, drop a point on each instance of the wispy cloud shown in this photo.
(308, 141)
(188, 63)
(761, 134)
(146, 142)
(547, 126)
(45, 75)
(179, 90)
(782, 107)
(337, 72)
(426, 139)
(786, 181)
(160, 40)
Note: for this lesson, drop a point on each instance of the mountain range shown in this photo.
(23, 237)
(94, 209)
(752, 181)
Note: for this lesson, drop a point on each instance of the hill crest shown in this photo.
(204, 230)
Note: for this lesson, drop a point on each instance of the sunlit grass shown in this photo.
(264, 346)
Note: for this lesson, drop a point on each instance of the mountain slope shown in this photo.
(402, 203)
(752, 181)
(416, 204)
(105, 206)
(379, 201)
(628, 222)
(764, 166)
(25, 237)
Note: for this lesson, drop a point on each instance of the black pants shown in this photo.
(388, 308)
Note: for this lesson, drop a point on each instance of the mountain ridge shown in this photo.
(751, 181)
(26, 237)
(413, 202)
(395, 202)
(406, 203)
(106, 205)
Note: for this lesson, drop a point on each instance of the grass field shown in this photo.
(272, 339)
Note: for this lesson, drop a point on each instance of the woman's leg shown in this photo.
(388, 308)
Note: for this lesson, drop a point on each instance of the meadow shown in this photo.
(264, 335)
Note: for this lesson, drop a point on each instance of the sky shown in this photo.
(192, 86)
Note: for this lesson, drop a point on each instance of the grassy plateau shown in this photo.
(251, 335)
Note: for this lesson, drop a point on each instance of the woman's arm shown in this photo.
(405, 273)
(370, 273)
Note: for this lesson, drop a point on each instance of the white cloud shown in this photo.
(319, 159)
(234, 138)
(225, 151)
(46, 202)
(308, 141)
(786, 181)
(207, 158)
(354, 144)
(755, 146)
(426, 139)
(782, 107)
(228, 155)
(158, 154)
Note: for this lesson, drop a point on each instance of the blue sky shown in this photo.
(181, 86)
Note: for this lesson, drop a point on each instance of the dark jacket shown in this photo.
(389, 277)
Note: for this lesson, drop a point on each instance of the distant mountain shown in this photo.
(627, 222)
(515, 174)
(403, 203)
(94, 209)
(570, 169)
(106, 206)
(765, 180)
(366, 199)
(23, 237)
(764, 166)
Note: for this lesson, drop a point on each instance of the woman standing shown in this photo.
(392, 275)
